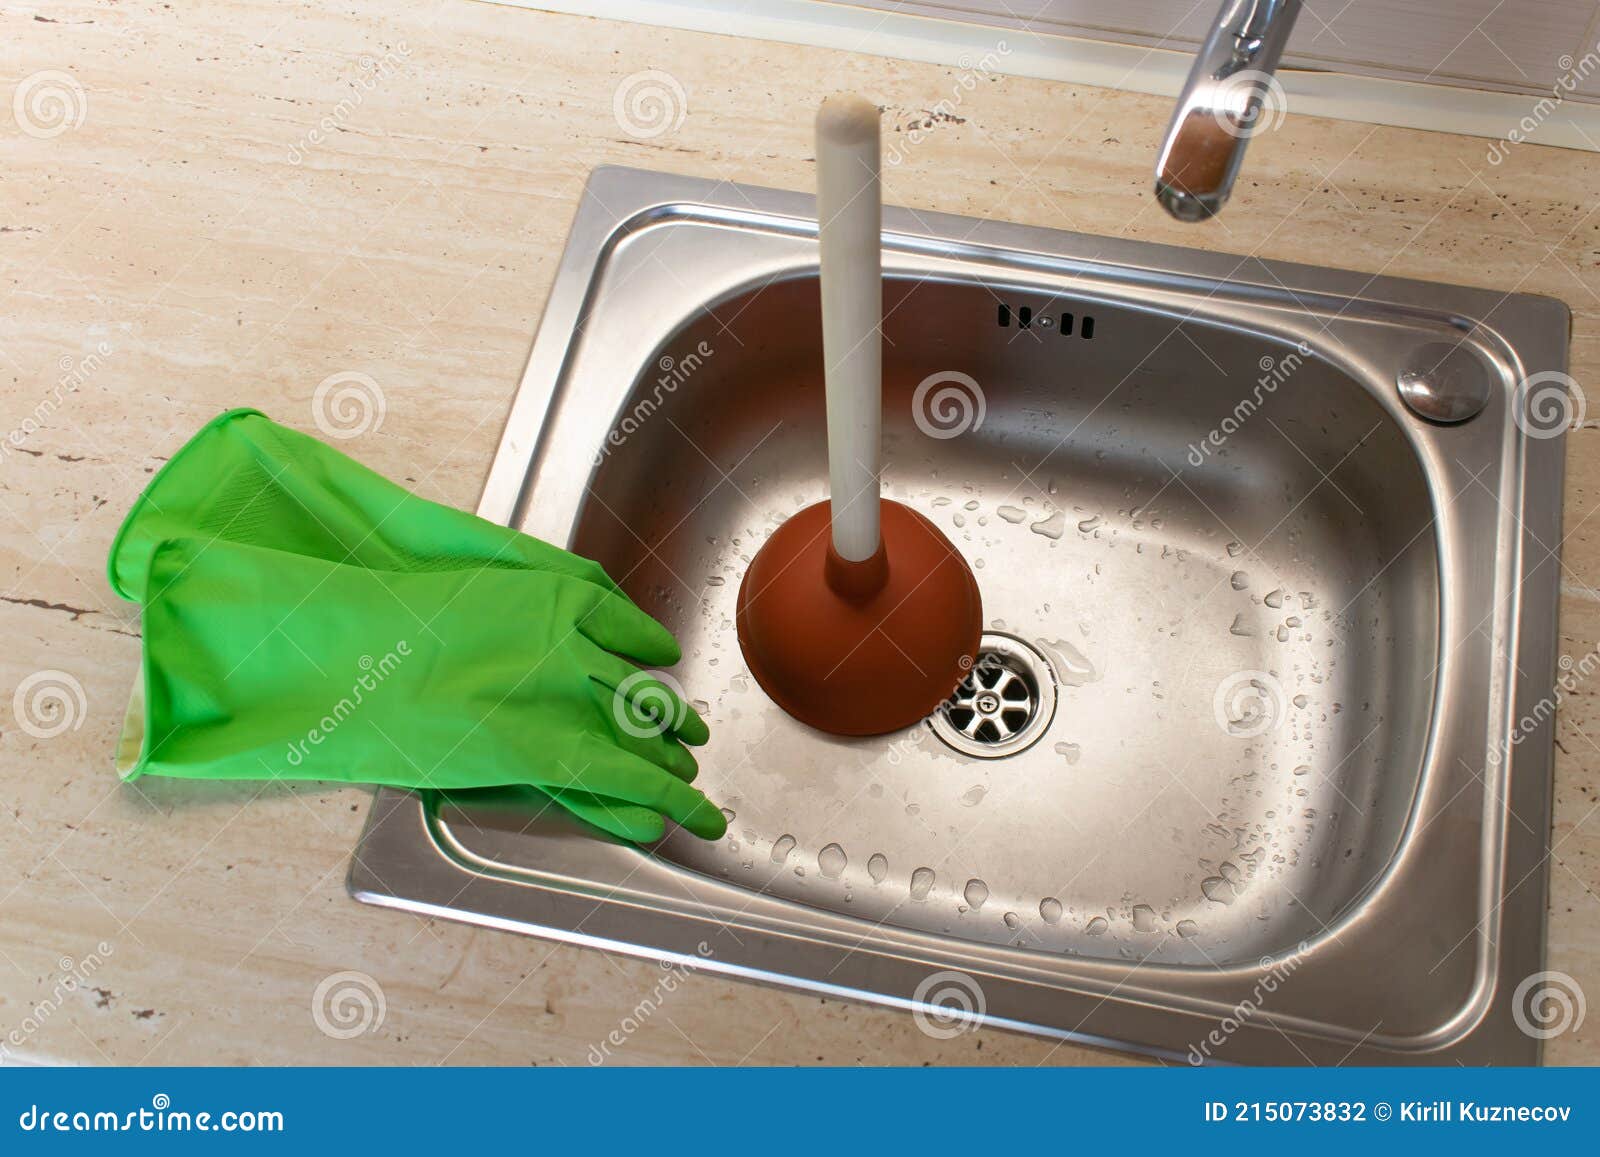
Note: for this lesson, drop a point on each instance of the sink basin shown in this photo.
(1239, 775)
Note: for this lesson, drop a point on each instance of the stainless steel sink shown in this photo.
(1241, 776)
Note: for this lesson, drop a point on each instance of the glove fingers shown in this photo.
(615, 623)
(609, 770)
(625, 820)
(662, 750)
(643, 705)
(638, 735)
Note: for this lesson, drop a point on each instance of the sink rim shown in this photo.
(619, 203)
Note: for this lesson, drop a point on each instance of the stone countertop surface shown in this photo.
(205, 206)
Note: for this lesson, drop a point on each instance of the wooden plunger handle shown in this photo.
(850, 222)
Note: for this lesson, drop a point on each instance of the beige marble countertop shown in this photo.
(246, 197)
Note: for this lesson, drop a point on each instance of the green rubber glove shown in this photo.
(261, 663)
(243, 478)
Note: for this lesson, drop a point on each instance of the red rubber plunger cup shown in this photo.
(857, 616)
(859, 648)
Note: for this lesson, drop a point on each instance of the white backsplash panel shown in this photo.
(1528, 46)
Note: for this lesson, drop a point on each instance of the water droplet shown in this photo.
(1300, 701)
(878, 867)
(1052, 527)
(1241, 627)
(1188, 929)
(921, 883)
(1218, 890)
(832, 861)
(1050, 910)
(1091, 524)
(782, 848)
(976, 892)
(715, 580)
(1097, 926)
(1012, 920)
(1235, 549)
(1240, 580)
(1274, 599)
(1012, 514)
(728, 814)
(1303, 769)
(973, 796)
(1144, 919)
(1069, 751)
(1072, 665)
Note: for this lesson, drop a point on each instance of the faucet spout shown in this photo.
(1222, 106)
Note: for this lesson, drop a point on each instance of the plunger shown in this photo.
(856, 616)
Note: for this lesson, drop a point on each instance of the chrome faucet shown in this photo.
(1230, 89)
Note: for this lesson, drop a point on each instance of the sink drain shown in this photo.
(1005, 703)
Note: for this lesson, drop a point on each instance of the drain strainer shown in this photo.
(1005, 703)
